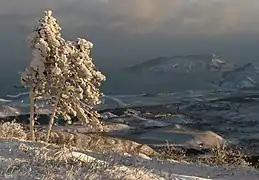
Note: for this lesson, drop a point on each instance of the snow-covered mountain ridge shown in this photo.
(246, 76)
(189, 63)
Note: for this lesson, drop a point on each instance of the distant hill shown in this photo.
(189, 63)
(246, 76)
(168, 74)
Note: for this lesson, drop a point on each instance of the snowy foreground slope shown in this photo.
(34, 160)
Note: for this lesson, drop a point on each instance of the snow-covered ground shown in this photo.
(24, 160)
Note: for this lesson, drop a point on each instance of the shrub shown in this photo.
(12, 130)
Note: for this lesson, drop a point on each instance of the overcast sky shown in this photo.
(128, 31)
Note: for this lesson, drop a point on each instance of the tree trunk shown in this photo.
(32, 113)
(51, 121)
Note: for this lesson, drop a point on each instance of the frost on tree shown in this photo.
(63, 73)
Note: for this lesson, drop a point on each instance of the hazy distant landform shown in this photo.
(181, 73)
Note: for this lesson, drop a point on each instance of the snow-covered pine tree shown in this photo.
(63, 73)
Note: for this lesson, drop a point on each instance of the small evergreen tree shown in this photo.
(63, 73)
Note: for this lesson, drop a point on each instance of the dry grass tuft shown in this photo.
(12, 130)
(225, 156)
(218, 156)
(59, 163)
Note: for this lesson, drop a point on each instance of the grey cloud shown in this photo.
(170, 17)
(27, 6)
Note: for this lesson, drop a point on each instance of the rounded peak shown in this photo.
(184, 63)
